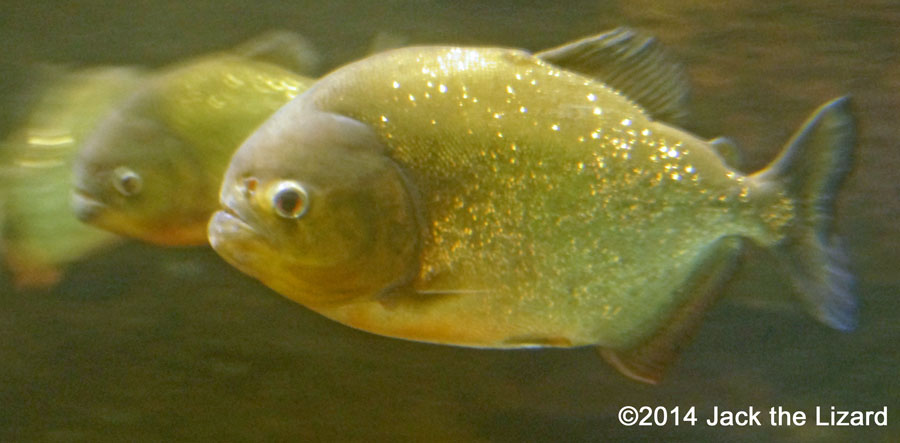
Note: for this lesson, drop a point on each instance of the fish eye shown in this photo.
(290, 200)
(126, 181)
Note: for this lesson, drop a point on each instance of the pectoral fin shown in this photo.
(632, 63)
(648, 361)
(406, 295)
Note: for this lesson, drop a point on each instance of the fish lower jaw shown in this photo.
(225, 225)
(236, 241)
(85, 207)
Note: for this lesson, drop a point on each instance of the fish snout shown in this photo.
(85, 207)
(236, 241)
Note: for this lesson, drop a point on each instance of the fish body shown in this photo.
(485, 197)
(152, 169)
(40, 234)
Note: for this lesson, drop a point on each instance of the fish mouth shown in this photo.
(86, 207)
(238, 242)
(225, 224)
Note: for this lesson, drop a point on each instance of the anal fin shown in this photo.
(648, 361)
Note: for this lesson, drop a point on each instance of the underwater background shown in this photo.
(142, 343)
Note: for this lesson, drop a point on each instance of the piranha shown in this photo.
(491, 198)
(153, 167)
(40, 235)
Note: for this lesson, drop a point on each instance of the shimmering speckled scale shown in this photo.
(560, 186)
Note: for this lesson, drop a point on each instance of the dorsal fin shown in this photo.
(632, 63)
(282, 48)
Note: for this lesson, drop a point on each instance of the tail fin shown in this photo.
(811, 169)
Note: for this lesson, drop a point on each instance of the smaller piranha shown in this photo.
(493, 198)
(40, 235)
(153, 167)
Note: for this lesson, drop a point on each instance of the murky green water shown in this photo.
(147, 344)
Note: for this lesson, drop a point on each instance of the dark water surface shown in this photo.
(148, 344)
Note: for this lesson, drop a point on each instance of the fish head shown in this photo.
(135, 177)
(312, 207)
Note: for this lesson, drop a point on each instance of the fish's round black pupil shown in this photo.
(127, 182)
(289, 203)
(130, 184)
(289, 200)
